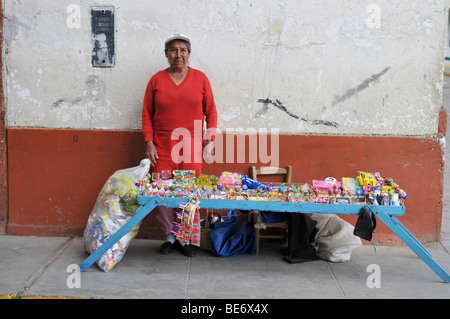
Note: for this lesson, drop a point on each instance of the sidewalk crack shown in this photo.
(335, 279)
(42, 269)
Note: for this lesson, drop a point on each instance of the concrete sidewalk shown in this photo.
(35, 267)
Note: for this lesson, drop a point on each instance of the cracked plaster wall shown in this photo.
(321, 62)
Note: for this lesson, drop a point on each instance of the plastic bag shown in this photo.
(251, 183)
(115, 206)
(229, 239)
(334, 240)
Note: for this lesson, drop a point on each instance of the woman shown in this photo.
(176, 103)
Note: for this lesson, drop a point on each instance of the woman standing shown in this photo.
(177, 99)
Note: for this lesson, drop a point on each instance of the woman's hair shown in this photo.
(188, 45)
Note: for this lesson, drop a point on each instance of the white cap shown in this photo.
(178, 36)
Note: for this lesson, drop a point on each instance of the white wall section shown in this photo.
(331, 67)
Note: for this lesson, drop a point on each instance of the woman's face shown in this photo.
(178, 55)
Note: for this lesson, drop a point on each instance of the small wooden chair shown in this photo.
(286, 178)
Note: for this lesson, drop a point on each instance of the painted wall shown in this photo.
(352, 86)
(56, 175)
(369, 68)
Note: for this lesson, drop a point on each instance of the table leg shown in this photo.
(141, 212)
(411, 241)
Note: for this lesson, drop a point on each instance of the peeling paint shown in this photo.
(12, 27)
(95, 90)
(23, 93)
(230, 113)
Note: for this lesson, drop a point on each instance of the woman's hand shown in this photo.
(150, 152)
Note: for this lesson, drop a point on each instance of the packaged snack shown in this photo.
(207, 180)
(156, 176)
(166, 174)
(229, 178)
(184, 177)
(189, 225)
(367, 179)
(350, 184)
(325, 185)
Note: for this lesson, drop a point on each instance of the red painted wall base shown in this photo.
(55, 176)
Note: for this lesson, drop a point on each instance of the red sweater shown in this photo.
(168, 106)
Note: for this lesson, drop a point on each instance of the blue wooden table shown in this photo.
(386, 214)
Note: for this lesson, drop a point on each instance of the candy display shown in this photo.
(365, 189)
(115, 206)
(189, 226)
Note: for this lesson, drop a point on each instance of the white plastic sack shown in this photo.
(334, 240)
(115, 205)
